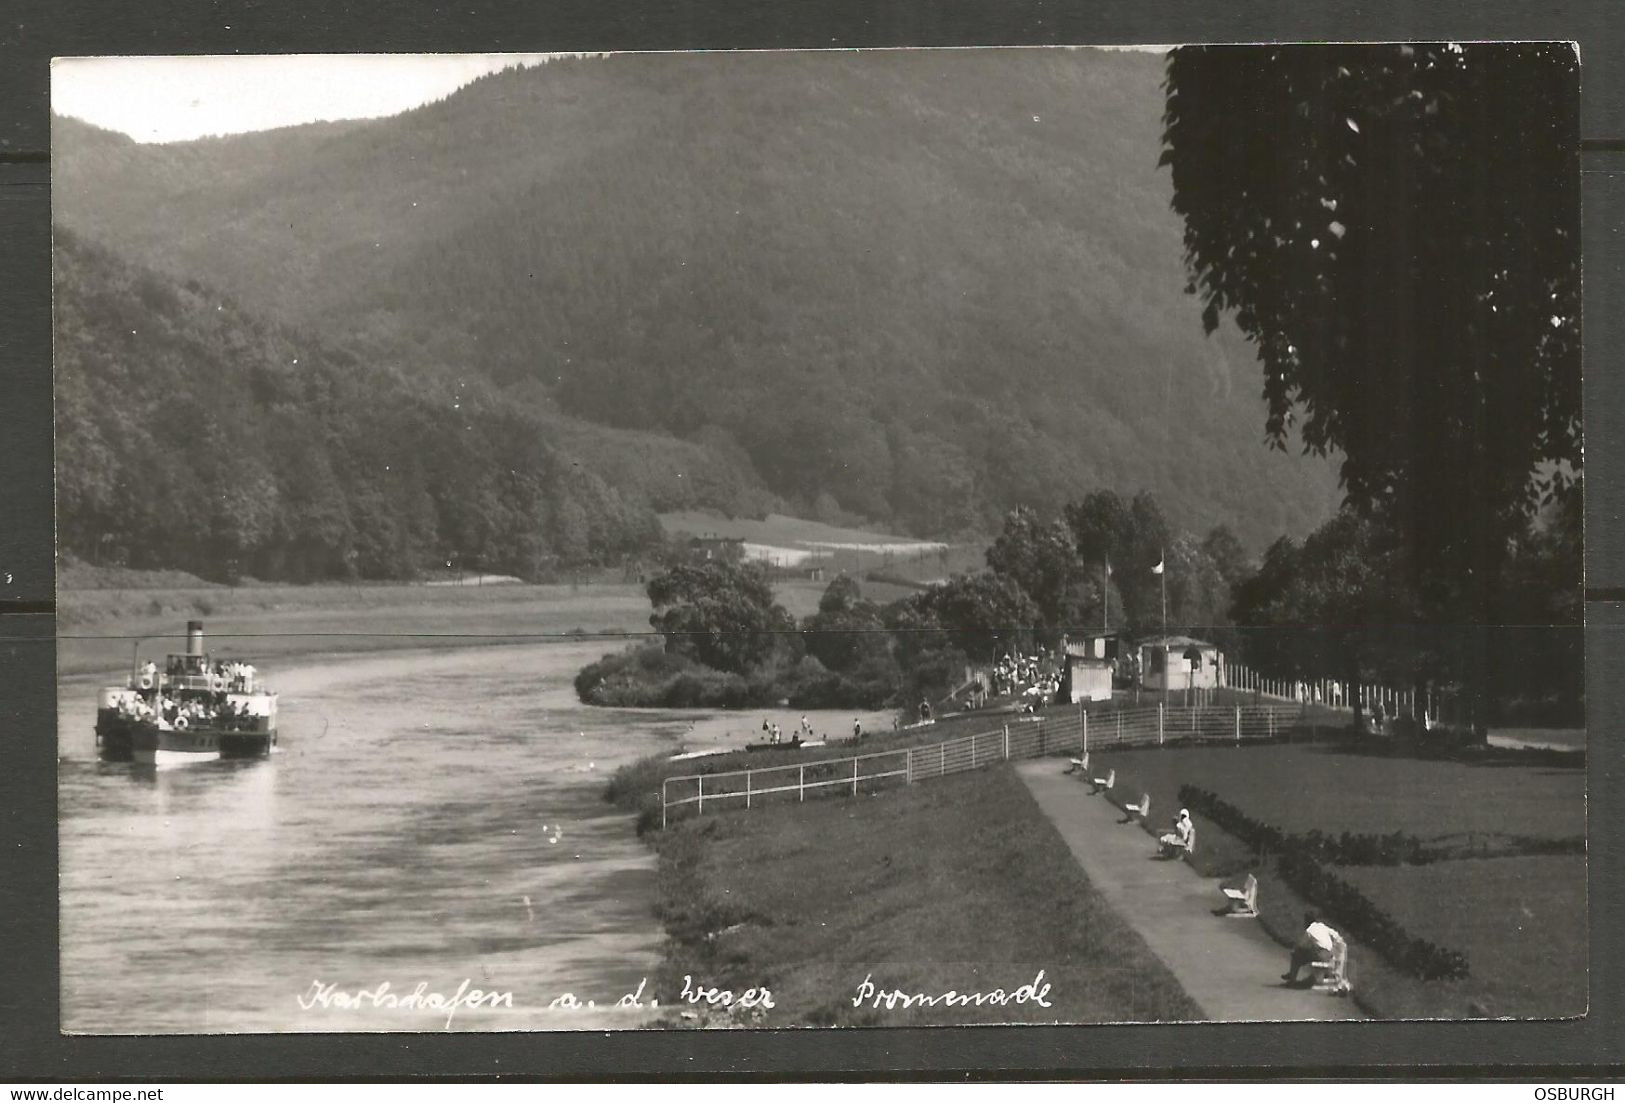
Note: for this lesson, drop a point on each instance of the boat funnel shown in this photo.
(194, 637)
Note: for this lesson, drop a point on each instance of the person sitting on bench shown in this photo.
(1318, 945)
(1180, 840)
(1101, 784)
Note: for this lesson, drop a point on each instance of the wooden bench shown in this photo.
(1141, 809)
(1080, 766)
(1243, 901)
(1102, 784)
(1171, 846)
(1332, 975)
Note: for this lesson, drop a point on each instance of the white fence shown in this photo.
(1071, 732)
(1334, 694)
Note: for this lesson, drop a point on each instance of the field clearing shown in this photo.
(795, 542)
(960, 885)
(1520, 920)
(97, 628)
(782, 529)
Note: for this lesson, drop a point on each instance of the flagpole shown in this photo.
(1105, 595)
(1163, 575)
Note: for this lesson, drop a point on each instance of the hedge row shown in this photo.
(1298, 861)
(1367, 922)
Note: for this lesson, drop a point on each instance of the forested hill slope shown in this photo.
(192, 435)
(923, 287)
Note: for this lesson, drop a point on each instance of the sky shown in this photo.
(170, 99)
(167, 99)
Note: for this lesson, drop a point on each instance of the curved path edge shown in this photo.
(1230, 967)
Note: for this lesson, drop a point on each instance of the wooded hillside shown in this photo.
(920, 288)
(191, 434)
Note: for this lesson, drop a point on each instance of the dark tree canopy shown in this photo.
(847, 631)
(1396, 228)
(1041, 557)
(982, 613)
(719, 614)
(1132, 536)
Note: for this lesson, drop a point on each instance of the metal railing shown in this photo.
(1070, 732)
(1332, 693)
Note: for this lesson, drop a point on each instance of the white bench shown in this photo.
(1141, 809)
(1332, 974)
(1080, 765)
(1243, 901)
(1102, 784)
(1172, 846)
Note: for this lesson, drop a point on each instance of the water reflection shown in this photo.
(395, 838)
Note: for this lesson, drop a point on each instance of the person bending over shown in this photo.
(1317, 943)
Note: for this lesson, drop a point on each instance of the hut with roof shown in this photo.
(1171, 663)
(1091, 662)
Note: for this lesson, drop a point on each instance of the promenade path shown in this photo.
(1228, 966)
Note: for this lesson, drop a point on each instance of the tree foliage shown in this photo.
(720, 614)
(1396, 229)
(1042, 558)
(191, 434)
(847, 631)
(1340, 605)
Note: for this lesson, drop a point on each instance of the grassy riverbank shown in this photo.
(961, 885)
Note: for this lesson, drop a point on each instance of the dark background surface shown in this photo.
(34, 1050)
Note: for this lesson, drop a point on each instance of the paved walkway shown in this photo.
(1228, 966)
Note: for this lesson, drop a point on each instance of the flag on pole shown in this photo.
(1108, 563)
(1158, 568)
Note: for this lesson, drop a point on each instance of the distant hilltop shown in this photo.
(917, 288)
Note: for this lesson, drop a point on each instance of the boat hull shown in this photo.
(120, 739)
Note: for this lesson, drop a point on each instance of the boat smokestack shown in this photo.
(194, 637)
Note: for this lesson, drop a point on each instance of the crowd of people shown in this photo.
(1034, 678)
(178, 714)
(225, 677)
(157, 700)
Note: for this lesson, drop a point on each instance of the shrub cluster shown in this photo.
(1299, 858)
(1343, 849)
(649, 676)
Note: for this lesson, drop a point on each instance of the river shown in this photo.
(431, 818)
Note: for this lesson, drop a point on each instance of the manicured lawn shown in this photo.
(1521, 921)
(1301, 787)
(960, 884)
